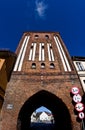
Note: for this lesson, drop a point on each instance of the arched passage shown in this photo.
(50, 101)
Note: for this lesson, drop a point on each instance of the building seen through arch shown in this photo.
(43, 75)
(42, 115)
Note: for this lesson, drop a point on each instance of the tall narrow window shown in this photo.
(50, 52)
(80, 66)
(43, 57)
(49, 55)
(32, 52)
(41, 52)
(52, 55)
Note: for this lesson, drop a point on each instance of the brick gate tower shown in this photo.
(43, 76)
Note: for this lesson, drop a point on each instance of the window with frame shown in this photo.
(80, 66)
(84, 81)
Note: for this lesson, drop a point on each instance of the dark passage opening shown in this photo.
(62, 119)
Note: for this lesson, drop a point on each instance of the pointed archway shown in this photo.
(44, 98)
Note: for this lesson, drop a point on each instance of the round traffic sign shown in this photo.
(75, 90)
(81, 115)
(77, 98)
(79, 107)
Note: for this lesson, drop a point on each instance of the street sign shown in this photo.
(77, 98)
(81, 115)
(75, 90)
(79, 107)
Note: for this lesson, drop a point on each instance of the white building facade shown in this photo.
(79, 63)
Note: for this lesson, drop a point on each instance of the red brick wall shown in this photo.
(29, 81)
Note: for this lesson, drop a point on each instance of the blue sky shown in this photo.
(42, 108)
(64, 16)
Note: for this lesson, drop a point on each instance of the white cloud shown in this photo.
(41, 8)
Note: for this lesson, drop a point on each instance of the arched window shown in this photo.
(42, 65)
(31, 46)
(33, 66)
(36, 36)
(52, 65)
(46, 36)
(42, 46)
(50, 47)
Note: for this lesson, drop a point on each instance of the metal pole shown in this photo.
(83, 127)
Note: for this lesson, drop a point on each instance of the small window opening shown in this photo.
(52, 66)
(36, 36)
(42, 47)
(46, 36)
(32, 47)
(50, 47)
(42, 65)
(33, 66)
